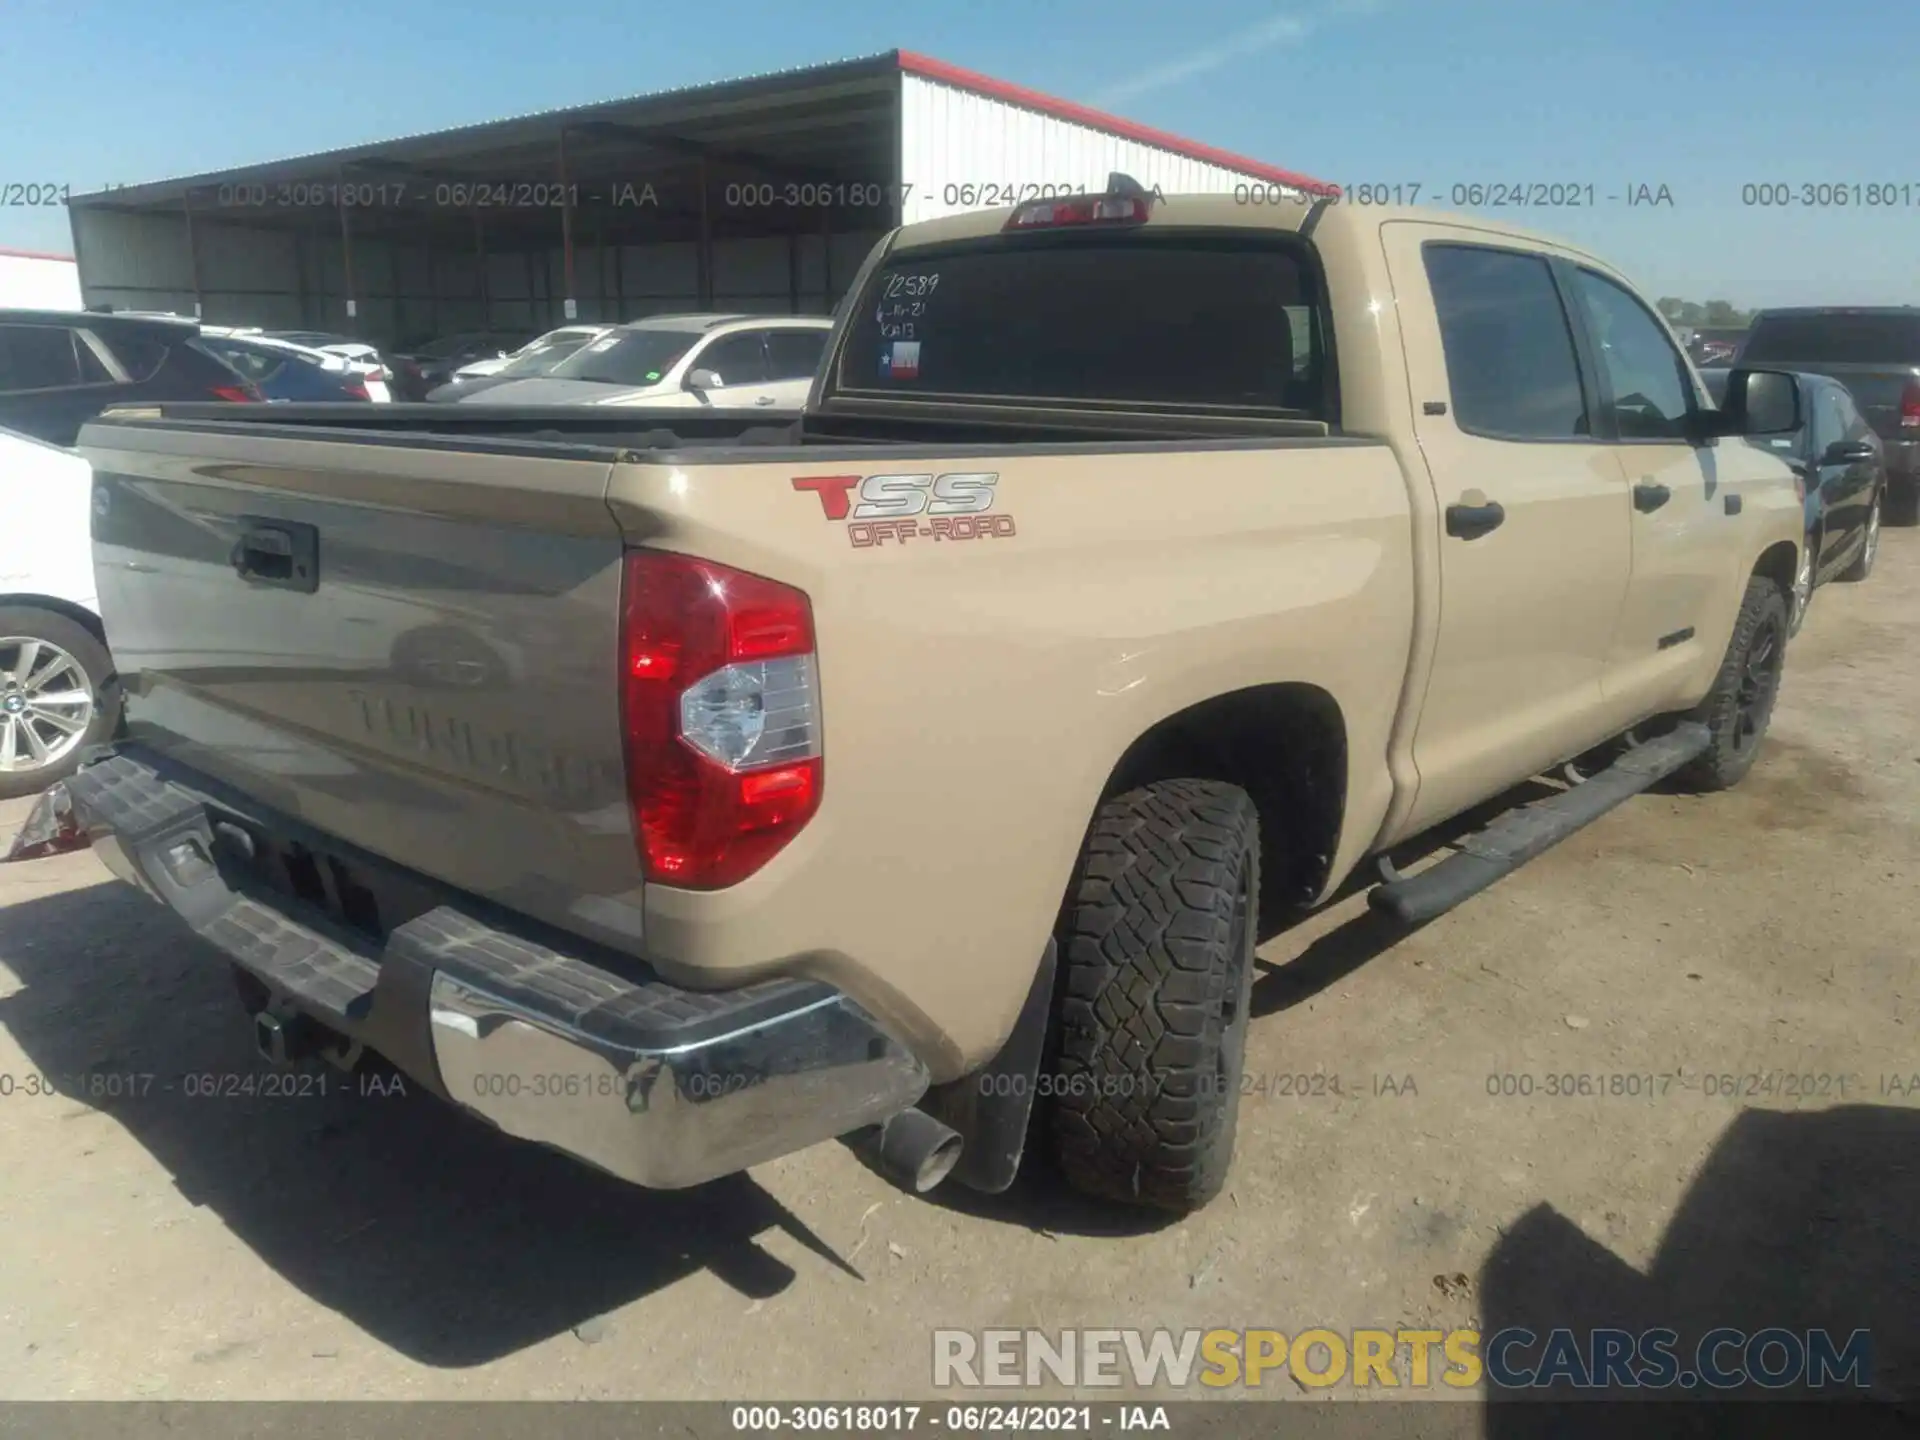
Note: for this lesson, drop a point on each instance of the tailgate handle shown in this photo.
(280, 554)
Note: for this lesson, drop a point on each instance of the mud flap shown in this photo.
(992, 1106)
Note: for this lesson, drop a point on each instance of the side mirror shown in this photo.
(1849, 452)
(1758, 402)
(704, 379)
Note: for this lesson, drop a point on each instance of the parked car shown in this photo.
(376, 370)
(974, 716)
(1840, 467)
(432, 365)
(59, 368)
(537, 357)
(674, 361)
(55, 692)
(285, 371)
(555, 345)
(1875, 352)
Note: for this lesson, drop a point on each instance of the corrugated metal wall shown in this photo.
(277, 279)
(962, 151)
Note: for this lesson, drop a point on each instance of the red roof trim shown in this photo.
(928, 68)
(33, 255)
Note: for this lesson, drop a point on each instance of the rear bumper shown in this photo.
(1903, 466)
(589, 1053)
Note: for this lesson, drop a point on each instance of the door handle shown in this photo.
(764, 400)
(1470, 522)
(1648, 496)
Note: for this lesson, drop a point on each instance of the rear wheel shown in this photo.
(1157, 955)
(53, 705)
(1738, 708)
(1862, 565)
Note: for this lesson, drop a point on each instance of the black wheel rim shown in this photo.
(1759, 682)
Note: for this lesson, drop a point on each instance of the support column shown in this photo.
(705, 259)
(569, 301)
(346, 254)
(193, 255)
(486, 284)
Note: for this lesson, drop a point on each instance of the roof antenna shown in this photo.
(1121, 184)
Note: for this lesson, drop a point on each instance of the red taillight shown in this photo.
(719, 705)
(1910, 404)
(1080, 210)
(357, 389)
(244, 392)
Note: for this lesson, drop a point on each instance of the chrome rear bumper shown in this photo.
(590, 1054)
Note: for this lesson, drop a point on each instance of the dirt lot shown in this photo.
(374, 1246)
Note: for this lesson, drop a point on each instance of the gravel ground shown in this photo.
(369, 1245)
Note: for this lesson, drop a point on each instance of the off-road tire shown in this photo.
(1862, 565)
(1737, 709)
(1156, 954)
(91, 655)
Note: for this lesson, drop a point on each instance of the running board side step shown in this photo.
(1520, 835)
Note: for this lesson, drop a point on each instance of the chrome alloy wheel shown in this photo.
(46, 704)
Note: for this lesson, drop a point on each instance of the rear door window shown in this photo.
(1136, 317)
(794, 354)
(1512, 370)
(738, 359)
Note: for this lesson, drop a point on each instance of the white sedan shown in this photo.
(54, 665)
(683, 361)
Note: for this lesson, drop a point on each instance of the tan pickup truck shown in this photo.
(681, 791)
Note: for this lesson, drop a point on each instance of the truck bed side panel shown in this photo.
(977, 693)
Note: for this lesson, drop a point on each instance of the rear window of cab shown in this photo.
(1141, 318)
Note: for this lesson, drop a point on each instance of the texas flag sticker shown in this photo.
(902, 362)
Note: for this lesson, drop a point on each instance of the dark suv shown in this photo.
(1875, 353)
(60, 368)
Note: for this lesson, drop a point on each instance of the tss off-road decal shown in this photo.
(879, 508)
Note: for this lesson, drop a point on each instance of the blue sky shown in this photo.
(1702, 99)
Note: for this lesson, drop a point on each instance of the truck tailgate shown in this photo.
(420, 658)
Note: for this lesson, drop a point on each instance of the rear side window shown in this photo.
(1511, 366)
(1177, 320)
(794, 354)
(1834, 338)
(140, 354)
(39, 357)
(255, 365)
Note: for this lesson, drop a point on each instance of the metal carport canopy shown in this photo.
(758, 194)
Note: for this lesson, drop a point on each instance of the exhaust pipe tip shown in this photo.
(912, 1149)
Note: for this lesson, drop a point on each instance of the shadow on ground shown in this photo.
(1331, 957)
(1806, 1220)
(440, 1237)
